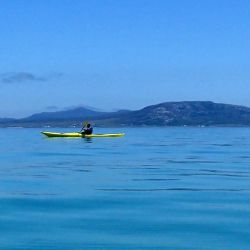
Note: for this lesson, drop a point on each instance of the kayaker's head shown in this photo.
(88, 125)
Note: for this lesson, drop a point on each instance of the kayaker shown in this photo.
(87, 129)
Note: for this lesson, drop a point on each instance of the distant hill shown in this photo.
(190, 113)
(71, 114)
(4, 120)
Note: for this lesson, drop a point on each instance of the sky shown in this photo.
(124, 54)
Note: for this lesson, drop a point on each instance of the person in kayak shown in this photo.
(87, 129)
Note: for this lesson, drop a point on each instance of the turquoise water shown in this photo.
(156, 188)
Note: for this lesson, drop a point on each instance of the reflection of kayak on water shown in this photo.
(54, 134)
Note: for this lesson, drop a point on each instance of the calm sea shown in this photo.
(156, 188)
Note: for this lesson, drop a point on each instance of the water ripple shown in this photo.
(174, 189)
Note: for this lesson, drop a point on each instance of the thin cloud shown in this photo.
(52, 108)
(21, 77)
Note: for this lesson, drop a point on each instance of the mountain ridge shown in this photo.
(184, 113)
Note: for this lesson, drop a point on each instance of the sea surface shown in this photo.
(155, 188)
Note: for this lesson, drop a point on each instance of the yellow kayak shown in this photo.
(54, 134)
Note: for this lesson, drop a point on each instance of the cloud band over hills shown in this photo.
(19, 77)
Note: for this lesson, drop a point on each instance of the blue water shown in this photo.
(156, 188)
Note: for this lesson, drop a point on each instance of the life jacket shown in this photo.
(88, 131)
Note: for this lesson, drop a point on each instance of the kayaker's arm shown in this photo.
(82, 130)
(86, 129)
(83, 127)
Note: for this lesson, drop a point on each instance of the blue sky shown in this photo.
(122, 54)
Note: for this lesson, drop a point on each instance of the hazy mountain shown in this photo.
(4, 120)
(78, 113)
(190, 113)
